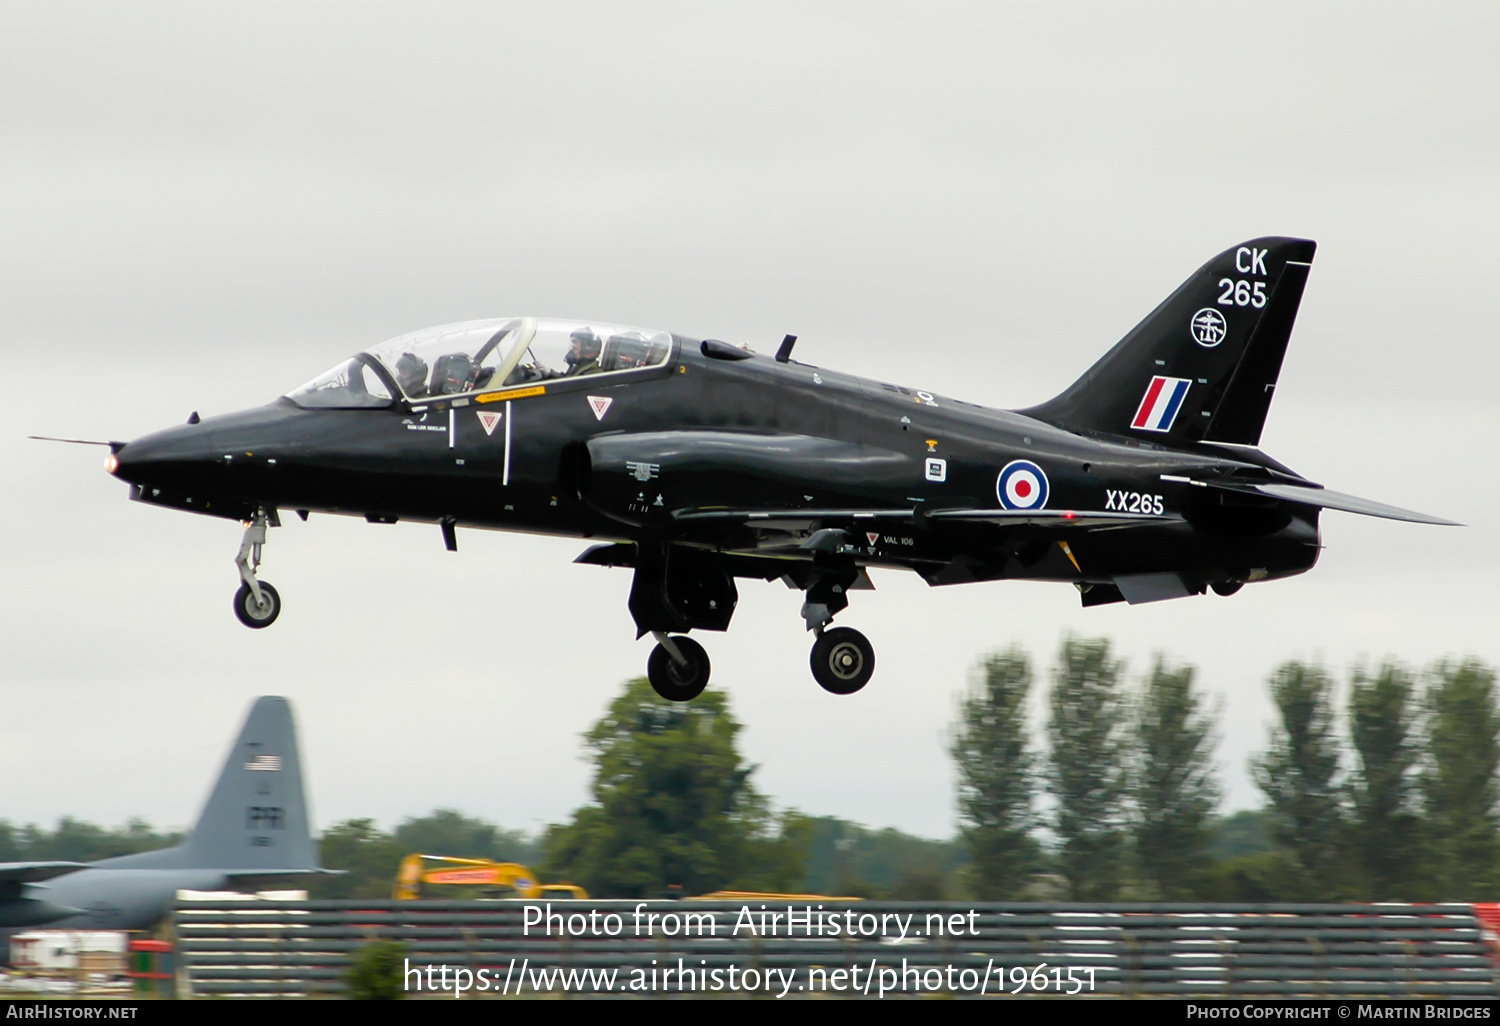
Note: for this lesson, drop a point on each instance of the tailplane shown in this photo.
(1203, 365)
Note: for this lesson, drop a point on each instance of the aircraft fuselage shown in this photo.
(544, 459)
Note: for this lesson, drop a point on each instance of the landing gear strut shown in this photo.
(678, 667)
(256, 603)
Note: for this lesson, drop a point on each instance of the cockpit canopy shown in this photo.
(478, 356)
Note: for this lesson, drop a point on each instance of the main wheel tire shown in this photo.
(675, 681)
(843, 660)
(1226, 588)
(257, 614)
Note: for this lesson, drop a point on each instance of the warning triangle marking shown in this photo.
(874, 536)
(489, 419)
(599, 403)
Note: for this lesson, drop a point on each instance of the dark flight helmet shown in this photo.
(411, 374)
(629, 349)
(453, 373)
(589, 346)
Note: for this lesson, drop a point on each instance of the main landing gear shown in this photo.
(678, 667)
(678, 589)
(256, 603)
(843, 660)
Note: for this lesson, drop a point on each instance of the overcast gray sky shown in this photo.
(202, 206)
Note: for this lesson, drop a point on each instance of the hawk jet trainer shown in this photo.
(696, 463)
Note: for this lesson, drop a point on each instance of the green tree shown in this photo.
(1086, 768)
(846, 858)
(449, 832)
(74, 840)
(367, 856)
(1175, 783)
(1458, 779)
(375, 972)
(1384, 825)
(1299, 774)
(1245, 832)
(673, 806)
(997, 776)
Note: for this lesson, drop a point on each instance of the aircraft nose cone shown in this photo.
(162, 457)
(227, 465)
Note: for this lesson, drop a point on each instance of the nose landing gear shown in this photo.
(256, 604)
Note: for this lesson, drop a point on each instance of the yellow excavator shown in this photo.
(417, 870)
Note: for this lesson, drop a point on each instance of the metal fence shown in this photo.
(669, 948)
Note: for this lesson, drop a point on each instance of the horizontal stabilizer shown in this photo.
(1348, 503)
(270, 879)
(1313, 495)
(34, 872)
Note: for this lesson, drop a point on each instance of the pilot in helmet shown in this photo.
(411, 375)
(582, 356)
(630, 350)
(453, 373)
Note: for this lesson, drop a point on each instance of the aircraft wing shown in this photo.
(35, 872)
(1057, 518)
(1088, 520)
(791, 516)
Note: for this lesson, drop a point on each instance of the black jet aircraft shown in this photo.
(696, 462)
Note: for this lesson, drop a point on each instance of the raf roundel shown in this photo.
(1022, 485)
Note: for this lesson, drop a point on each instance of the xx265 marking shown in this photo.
(1132, 502)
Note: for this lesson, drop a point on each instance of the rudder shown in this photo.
(1203, 365)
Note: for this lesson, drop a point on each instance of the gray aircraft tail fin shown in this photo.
(256, 816)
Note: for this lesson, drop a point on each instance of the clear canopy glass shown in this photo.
(353, 384)
(477, 356)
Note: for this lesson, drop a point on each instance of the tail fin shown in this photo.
(256, 818)
(1202, 366)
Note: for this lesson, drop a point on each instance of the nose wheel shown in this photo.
(677, 668)
(843, 660)
(256, 603)
(257, 612)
